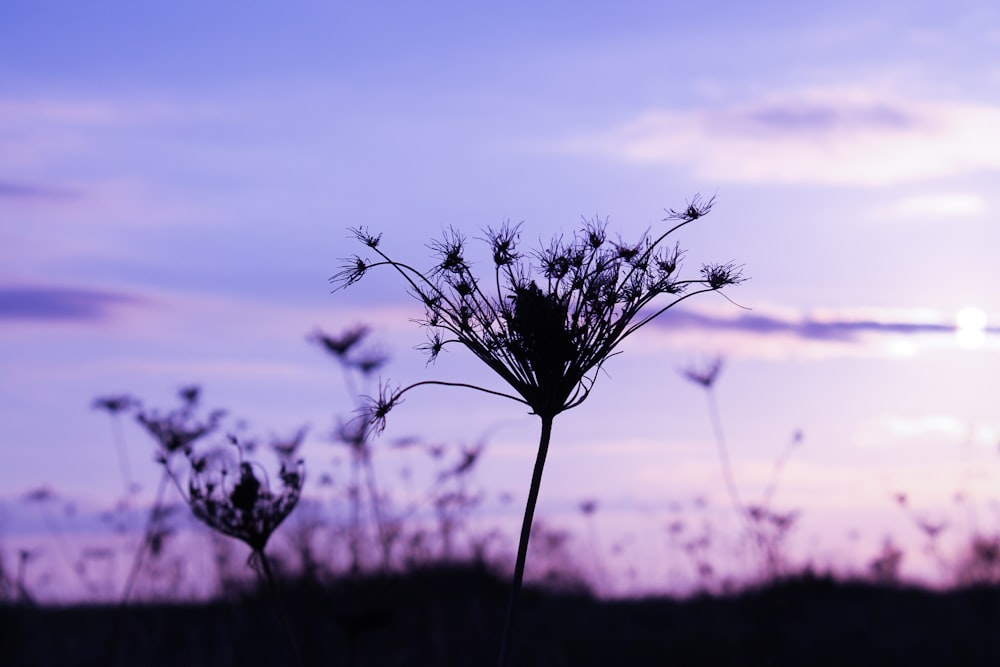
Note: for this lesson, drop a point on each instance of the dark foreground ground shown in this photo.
(452, 616)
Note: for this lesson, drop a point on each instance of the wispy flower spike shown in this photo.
(704, 376)
(695, 209)
(340, 345)
(377, 408)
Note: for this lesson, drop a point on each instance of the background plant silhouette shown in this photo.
(545, 321)
(766, 528)
(238, 499)
(358, 363)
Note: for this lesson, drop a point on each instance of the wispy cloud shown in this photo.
(822, 333)
(32, 192)
(934, 206)
(844, 328)
(27, 302)
(929, 429)
(826, 136)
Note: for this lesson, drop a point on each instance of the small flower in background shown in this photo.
(114, 404)
(345, 348)
(40, 495)
(286, 448)
(369, 361)
(240, 503)
(340, 345)
(243, 504)
(706, 375)
(469, 456)
(178, 430)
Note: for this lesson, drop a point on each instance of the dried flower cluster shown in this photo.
(548, 319)
(545, 321)
(243, 506)
(178, 430)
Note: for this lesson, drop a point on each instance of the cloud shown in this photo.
(933, 207)
(781, 333)
(806, 328)
(925, 430)
(27, 191)
(822, 136)
(58, 303)
(65, 111)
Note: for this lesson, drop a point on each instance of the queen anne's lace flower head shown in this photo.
(546, 320)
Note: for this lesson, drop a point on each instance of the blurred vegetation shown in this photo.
(366, 572)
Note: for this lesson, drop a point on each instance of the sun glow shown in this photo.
(970, 327)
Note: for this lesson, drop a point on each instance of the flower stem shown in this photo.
(147, 537)
(272, 587)
(137, 560)
(761, 540)
(522, 546)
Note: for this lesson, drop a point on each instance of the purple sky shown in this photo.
(176, 185)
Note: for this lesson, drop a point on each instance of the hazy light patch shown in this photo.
(971, 327)
(934, 206)
(925, 430)
(832, 136)
(805, 485)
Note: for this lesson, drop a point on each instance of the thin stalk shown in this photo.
(272, 587)
(123, 464)
(355, 537)
(119, 617)
(759, 537)
(383, 535)
(522, 546)
(723, 449)
(146, 538)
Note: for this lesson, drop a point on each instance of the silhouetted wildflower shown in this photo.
(40, 495)
(178, 430)
(704, 376)
(114, 404)
(546, 321)
(286, 448)
(243, 505)
(340, 345)
(553, 316)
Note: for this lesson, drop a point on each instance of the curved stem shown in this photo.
(522, 546)
(463, 385)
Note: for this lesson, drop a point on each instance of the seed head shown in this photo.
(247, 509)
(554, 316)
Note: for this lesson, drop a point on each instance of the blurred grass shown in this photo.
(449, 615)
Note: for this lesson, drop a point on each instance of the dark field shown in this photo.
(451, 616)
